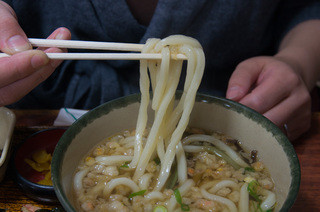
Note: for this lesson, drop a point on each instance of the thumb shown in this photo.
(12, 37)
(243, 78)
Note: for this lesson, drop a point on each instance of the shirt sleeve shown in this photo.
(293, 12)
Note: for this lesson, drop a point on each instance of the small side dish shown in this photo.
(32, 164)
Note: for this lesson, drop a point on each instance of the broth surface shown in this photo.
(207, 170)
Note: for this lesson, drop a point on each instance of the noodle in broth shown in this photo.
(122, 174)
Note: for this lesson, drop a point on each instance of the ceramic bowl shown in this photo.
(25, 176)
(7, 122)
(209, 113)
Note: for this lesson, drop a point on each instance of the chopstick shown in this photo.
(93, 45)
(76, 44)
(106, 56)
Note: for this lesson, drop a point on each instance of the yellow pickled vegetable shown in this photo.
(41, 156)
(40, 167)
(41, 162)
(47, 179)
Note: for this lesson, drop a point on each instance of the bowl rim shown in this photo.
(107, 107)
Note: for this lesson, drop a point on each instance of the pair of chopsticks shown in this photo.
(92, 45)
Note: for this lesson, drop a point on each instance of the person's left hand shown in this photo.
(275, 89)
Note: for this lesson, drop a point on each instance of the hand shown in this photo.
(26, 68)
(275, 89)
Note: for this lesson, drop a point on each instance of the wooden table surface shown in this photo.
(307, 148)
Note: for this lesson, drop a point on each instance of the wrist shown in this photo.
(302, 62)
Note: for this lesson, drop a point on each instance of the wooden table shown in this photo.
(307, 148)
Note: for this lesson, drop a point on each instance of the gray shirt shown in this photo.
(229, 31)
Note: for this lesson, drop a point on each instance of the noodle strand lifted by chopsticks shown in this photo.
(169, 123)
(143, 115)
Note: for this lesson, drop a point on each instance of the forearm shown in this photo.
(301, 49)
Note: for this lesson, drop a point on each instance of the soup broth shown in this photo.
(221, 176)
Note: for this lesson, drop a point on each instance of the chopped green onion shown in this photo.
(252, 189)
(138, 193)
(222, 155)
(160, 208)
(249, 169)
(257, 208)
(173, 178)
(185, 207)
(177, 195)
(125, 165)
(157, 160)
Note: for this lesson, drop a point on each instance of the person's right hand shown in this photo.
(26, 68)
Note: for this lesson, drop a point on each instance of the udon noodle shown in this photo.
(158, 167)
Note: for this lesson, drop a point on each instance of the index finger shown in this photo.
(243, 78)
(12, 37)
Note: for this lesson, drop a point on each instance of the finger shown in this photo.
(243, 78)
(21, 65)
(20, 88)
(291, 120)
(16, 90)
(281, 112)
(55, 63)
(2, 3)
(12, 37)
(269, 91)
(61, 33)
(294, 112)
